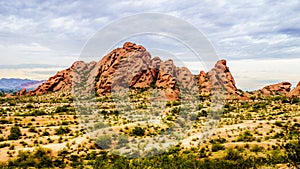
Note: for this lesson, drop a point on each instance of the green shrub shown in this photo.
(61, 109)
(32, 129)
(46, 133)
(15, 133)
(168, 104)
(232, 154)
(176, 103)
(3, 121)
(278, 123)
(257, 148)
(99, 125)
(62, 130)
(123, 139)
(217, 147)
(4, 145)
(29, 106)
(295, 100)
(65, 123)
(246, 137)
(138, 131)
(104, 141)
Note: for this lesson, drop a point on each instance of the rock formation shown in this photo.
(21, 92)
(276, 89)
(131, 66)
(62, 80)
(126, 67)
(295, 92)
(218, 77)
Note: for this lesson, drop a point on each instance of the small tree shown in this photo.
(138, 131)
(15, 133)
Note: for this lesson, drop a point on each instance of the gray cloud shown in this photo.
(55, 32)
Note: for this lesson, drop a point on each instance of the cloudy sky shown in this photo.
(259, 39)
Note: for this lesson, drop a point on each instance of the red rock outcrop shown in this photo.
(132, 67)
(219, 77)
(295, 92)
(63, 80)
(129, 66)
(21, 92)
(276, 89)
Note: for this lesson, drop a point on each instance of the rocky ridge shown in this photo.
(133, 67)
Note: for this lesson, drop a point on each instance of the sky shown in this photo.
(259, 39)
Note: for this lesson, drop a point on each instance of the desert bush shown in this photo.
(4, 145)
(29, 106)
(104, 141)
(62, 130)
(176, 103)
(39, 158)
(292, 147)
(247, 136)
(4, 121)
(15, 133)
(295, 100)
(32, 129)
(61, 109)
(278, 123)
(232, 154)
(99, 125)
(257, 148)
(123, 139)
(46, 133)
(218, 140)
(138, 131)
(217, 147)
(65, 123)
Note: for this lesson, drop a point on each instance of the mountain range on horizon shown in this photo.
(133, 66)
(15, 84)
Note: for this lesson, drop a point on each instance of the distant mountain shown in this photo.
(15, 84)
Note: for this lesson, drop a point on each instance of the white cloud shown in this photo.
(33, 47)
(33, 73)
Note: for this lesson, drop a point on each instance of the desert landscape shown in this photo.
(132, 110)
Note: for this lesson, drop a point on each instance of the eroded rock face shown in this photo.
(185, 78)
(63, 80)
(120, 66)
(219, 78)
(21, 92)
(126, 67)
(295, 92)
(132, 67)
(277, 89)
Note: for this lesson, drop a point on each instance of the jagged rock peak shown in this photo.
(218, 76)
(133, 46)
